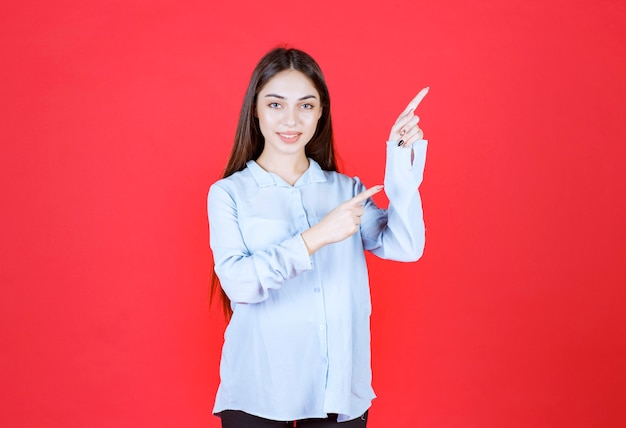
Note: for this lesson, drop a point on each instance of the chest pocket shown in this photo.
(269, 217)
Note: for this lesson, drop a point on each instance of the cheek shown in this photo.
(312, 122)
(265, 123)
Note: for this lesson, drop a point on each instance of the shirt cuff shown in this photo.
(405, 163)
(303, 255)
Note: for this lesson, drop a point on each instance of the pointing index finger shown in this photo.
(417, 100)
(366, 194)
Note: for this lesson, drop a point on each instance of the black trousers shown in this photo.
(239, 419)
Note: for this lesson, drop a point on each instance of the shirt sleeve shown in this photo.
(398, 233)
(245, 276)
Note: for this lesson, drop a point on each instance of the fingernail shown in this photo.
(400, 143)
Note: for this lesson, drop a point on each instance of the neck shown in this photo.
(288, 168)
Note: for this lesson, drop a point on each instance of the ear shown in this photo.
(320, 115)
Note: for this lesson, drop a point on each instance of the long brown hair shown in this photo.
(249, 141)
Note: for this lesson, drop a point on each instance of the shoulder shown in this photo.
(329, 178)
(232, 188)
(338, 177)
(344, 183)
(334, 178)
(233, 182)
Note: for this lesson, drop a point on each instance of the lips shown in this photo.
(289, 137)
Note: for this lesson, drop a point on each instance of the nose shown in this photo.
(291, 117)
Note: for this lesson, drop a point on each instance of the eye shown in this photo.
(274, 105)
(307, 106)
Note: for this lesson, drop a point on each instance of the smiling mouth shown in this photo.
(289, 137)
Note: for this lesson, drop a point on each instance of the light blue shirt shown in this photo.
(298, 343)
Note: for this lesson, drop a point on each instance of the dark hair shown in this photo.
(249, 140)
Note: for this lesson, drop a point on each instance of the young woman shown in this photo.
(288, 234)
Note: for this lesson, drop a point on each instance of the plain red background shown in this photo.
(116, 116)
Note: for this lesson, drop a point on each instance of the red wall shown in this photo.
(115, 117)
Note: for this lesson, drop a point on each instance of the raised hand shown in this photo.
(406, 130)
(342, 222)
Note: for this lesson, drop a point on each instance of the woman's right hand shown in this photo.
(343, 221)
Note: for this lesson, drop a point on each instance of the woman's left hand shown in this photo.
(406, 130)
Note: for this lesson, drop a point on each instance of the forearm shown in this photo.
(248, 278)
(398, 233)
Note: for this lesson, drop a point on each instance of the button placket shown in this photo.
(300, 213)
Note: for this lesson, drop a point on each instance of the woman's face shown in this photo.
(288, 108)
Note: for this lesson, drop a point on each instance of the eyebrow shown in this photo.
(280, 97)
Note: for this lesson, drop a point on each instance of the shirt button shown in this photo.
(316, 289)
(324, 360)
(322, 328)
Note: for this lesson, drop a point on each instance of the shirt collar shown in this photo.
(313, 174)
